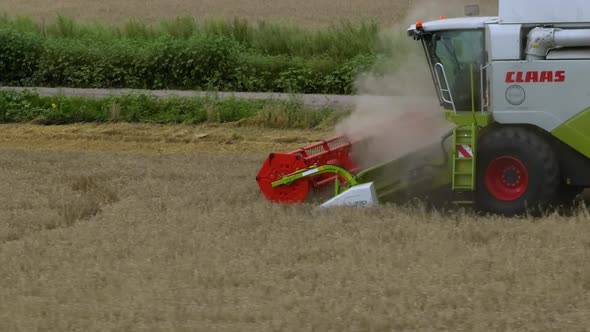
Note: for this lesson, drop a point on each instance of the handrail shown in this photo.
(482, 96)
(448, 88)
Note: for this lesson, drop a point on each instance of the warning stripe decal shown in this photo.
(464, 152)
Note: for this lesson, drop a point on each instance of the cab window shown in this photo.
(457, 51)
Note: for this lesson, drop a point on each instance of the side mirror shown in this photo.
(472, 10)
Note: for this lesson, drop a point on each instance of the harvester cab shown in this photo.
(514, 87)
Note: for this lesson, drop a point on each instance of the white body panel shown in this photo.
(504, 41)
(546, 104)
(463, 23)
(363, 195)
(544, 11)
(569, 54)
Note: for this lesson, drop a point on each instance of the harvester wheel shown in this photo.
(517, 171)
(568, 196)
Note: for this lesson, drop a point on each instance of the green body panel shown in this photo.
(481, 119)
(414, 175)
(432, 169)
(576, 132)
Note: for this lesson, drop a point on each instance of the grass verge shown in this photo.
(28, 106)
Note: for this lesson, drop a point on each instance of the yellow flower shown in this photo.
(53, 105)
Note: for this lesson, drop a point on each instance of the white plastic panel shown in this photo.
(504, 41)
(569, 54)
(542, 93)
(461, 23)
(544, 11)
(363, 195)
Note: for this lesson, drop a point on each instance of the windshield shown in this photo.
(457, 51)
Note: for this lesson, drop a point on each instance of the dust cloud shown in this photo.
(398, 111)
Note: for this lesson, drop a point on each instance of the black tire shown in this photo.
(567, 195)
(534, 159)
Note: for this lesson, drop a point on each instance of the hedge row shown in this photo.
(28, 106)
(200, 62)
(230, 55)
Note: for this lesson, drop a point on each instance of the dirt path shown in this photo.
(320, 100)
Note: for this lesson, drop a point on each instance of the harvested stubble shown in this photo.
(113, 240)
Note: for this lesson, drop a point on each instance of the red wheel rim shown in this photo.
(507, 178)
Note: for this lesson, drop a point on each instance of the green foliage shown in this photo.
(28, 106)
(19, 55)
(203, 62)
(217, 55)
(21, 107)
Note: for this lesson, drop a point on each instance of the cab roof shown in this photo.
(463, 23)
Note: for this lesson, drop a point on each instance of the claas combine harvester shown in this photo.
(516, 89)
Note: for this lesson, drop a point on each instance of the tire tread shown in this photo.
(517, 137)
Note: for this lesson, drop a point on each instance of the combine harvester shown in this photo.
(517, 90)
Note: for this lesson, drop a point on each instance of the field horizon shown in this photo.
(306, 13)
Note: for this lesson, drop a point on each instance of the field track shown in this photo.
(307, 99)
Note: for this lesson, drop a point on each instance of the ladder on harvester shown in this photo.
(464, 158)
(464, 149)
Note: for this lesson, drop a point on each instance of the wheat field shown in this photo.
(310, 13)
(162, 228)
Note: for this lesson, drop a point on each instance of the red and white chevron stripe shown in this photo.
(464, 152)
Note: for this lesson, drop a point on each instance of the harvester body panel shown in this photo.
(576, 132)
(544, 93)
(544, 11)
